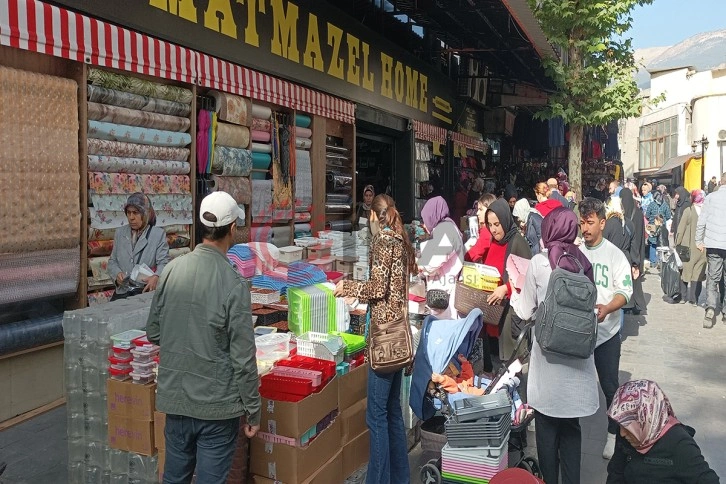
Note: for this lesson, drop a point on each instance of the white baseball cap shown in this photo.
(222, 206)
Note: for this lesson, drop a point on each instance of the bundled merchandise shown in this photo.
(311, 308)
(243, 258)
(339, 177)
(95, 404)
(343, 243)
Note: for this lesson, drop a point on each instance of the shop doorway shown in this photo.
(375, 159)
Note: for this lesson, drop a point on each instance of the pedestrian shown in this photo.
(694, 261)
(614, 282)
(712, 185)
(544, 204)
(554, 193)
(561, 389)
(364, 207)
(614, 188)
(478, 251)
(620, 231)
(201, 317)
(529, 221)
(653, 446)
(711, 239)
(658, 214)
(637, 303)
(646, 191)
(600, 191)
(386, 293)
(682, 200)
(510, 195)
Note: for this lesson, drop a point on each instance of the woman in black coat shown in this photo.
(683, 202)
(637, 254)
(653, 446)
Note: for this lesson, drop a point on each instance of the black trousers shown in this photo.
(559, 447)
(607, 363)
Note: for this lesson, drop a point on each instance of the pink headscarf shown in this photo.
(641, 407)
(698, 197)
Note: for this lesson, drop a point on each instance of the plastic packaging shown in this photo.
(120, 375)
(142, 379)
(143, 368)
(142, 356)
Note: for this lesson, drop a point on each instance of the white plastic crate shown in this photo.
(321, 346)
(290, 254)
(273, 346)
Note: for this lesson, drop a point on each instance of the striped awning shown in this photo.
(469, 142)
(40, 27)
(224, 76)
(428, 132)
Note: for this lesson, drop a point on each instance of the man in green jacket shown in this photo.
(201, 317)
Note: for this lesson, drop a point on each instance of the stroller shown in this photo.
(440, 346)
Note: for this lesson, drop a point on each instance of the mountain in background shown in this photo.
(643, 57)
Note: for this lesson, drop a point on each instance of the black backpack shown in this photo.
(566, 322)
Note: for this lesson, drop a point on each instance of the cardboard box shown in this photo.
(353, 387)
(330, 473)
(293, 419)
(353, 421)
(162, 459)
(295, 465)
(159, 424)
(356, 453)
(131, 435)
(132, 400)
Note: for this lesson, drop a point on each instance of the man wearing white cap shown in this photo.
(201, 317)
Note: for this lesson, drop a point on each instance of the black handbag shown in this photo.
(684, 252)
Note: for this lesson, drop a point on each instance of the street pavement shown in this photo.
(668, 345)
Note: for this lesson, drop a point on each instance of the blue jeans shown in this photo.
(207, 445)
(388, 450)
(653, 255)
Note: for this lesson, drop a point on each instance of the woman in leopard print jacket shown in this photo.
(386, 293)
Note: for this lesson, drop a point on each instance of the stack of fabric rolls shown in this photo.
(303, 176)
(138, 139)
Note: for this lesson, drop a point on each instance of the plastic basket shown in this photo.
(486, 432)
(273, 346)
(353, 343)
(468, 298)
(322, 346)
(475, 408)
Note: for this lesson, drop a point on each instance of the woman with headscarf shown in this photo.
(637, 245)
(646, 191)
(600, 191)
(694, 269)
(139, 242)
(442, 257)
(559, 388)
(653, 446)
(530, 224)
(618, 229)
(682, 202)
(479, 250)
(510, 195)
(658, 211)
(506, 241)
(364, 207)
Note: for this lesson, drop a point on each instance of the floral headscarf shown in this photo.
(641, 407)
(142, 203)
(698, 197)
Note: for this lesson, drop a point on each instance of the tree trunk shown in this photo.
(575, 160)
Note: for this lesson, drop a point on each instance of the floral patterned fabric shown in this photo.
(134, 150)
(232, 135)
(181, 231)
(233, 109)
(173, 202)
(104, 95)
(138, 86)
(176, 241)
(116, 164)
(232, 161)
(238, 186)
(99, 247)
(135, 117)
(261, 125)
(117, 183)
(112, 219)
(135, 134)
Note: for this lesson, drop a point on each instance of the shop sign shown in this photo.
(305, 41)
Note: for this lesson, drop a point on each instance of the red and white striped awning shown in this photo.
(428, 132)
(40, 27)
(469, 142)
(224, 76)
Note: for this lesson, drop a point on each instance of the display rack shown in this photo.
(429, 172)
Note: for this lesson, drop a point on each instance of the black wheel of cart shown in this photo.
(531, 465)
(430, 473)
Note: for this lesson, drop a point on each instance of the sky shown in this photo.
(667, 22)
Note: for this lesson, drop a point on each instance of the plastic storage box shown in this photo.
(322, 346)
(290, 254)
(475, 408)
(273, 346)
(486, 432)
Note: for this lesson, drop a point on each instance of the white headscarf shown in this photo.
(522, 210)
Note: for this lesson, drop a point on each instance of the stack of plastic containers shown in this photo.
(477, 433)
(87, 334)
(145, 360)
(120, 360)
(311, 308)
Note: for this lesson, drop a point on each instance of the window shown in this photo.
(658, 142)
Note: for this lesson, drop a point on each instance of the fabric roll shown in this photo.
(232, 135)
(261, 112)
(338, 198)
(338, 183)
(232, 161)
(303, 143)
(337, 208)
(303, 227)
(281, 236)
(303, 132)
(261, 136)
(204, 125)
(40, 274)
(239, 187)
(99, 247)
(182, 230)
(258, 175)
(261, 206)
(135, 117)
(261, 148)
(160, 202)
(303, 121)
(116, 164)
(261, 125)
(339, 225)
(117, 183)
(232, 109)
(113, 219)
(135, 134)
(138, 86)
(303, 182)
(261, 161)
(134, 150)
(242, 235)
(302, 217)
(114, 97)
(261, 234)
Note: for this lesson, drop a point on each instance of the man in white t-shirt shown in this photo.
(614, 282)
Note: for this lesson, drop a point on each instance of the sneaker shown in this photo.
(708, 319)
(609, 450)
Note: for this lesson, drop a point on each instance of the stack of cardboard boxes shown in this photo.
(131, 416)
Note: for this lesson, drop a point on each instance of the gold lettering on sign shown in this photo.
(411, 87)
(335, 37)
(182, 8)
(353, 55)
(251, 35)
(399, 82)
(284, 26)
(367, 74)
(424, 100)
(218, 17)
(387, 75)
(313, 57)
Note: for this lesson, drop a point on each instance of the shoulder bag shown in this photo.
(390, 344)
